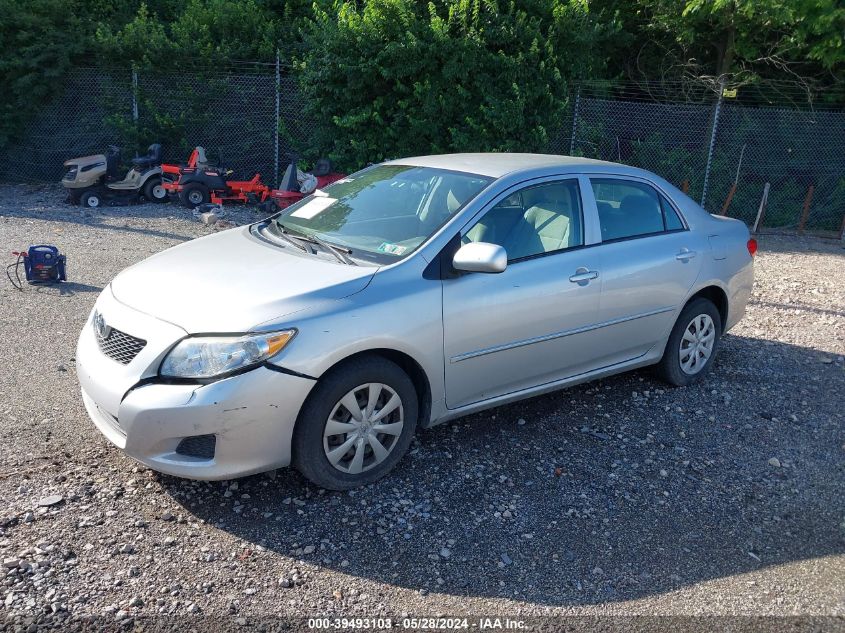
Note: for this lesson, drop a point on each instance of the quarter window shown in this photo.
(630, 209)
(673, 222)
(534, 221)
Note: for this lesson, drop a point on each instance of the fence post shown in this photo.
(736, 183)
(712, 142)
(134, 94)
(762, 210)
(276, 135)
(805, 212)
(575, 122)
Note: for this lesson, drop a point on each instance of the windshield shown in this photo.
(385, 211)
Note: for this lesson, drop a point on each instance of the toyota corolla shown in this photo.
(405, 295)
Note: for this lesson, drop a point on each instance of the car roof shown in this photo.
(496, 165)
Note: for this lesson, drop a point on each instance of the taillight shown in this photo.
(752, 246)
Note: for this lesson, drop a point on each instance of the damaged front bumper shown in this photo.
(229, 428)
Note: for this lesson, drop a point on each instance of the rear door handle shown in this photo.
(583, 276)
(685, 255)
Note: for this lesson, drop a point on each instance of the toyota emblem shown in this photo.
(102, 330)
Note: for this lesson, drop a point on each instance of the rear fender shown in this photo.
(149, 173)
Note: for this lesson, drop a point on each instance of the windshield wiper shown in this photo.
(283, 233)
(340, 253)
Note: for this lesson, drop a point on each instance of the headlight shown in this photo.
(213, 356)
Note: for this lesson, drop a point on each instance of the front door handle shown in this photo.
(583, 276)
(685, 255)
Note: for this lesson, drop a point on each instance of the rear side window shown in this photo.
(627, 208)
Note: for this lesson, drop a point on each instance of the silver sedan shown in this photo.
(405, 295)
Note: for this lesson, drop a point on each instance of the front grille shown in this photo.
(120, 346)
(201, 446)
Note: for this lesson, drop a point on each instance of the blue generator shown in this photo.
(42, 264)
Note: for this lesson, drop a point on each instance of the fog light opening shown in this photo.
(198, 446)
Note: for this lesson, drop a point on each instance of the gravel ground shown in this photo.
(617, 497)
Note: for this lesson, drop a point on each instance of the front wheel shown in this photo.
(194, 194)
(154, 191)
(90, 199)
(692, 344)
(356, 425)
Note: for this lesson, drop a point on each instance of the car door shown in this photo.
(528, 325)
(649, 262)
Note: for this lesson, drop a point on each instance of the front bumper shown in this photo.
(251, 415)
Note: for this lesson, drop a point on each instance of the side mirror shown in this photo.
(480, 257)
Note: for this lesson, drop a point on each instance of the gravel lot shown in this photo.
(618, 497)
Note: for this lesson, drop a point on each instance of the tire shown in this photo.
(91, 199)
(313, 441)
(194, 194)
(681, 366)
(153, 191)
(322, 167)
(268, 207)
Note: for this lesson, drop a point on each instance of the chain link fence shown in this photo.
(724, 153)
(251, 118)
(72, 124)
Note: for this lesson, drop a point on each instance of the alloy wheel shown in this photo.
(363, 428)
(697, 344)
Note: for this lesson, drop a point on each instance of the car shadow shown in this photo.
(608, 491)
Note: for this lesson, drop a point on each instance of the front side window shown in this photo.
(534, 221)
(626, 208)
(382, 213)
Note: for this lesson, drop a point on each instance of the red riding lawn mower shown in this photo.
(170, 173)
(297, 184)
(198, 182)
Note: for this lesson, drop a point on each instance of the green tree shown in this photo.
(202, 33)
(394, 77)
(38, 42)
(797, 40)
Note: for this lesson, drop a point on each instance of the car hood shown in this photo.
(233, 281)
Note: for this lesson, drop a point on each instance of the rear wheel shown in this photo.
(692, 345)
(356, 425)
(154, 191)
(90, 199)
(194, 194)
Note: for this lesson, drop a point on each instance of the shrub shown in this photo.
(398, 78)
